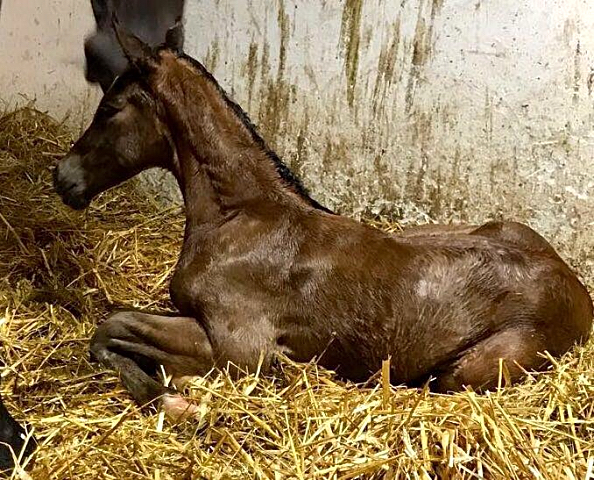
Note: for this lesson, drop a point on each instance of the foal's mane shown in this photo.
(289, 179)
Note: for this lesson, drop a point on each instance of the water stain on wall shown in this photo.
(285, 27)
(577, 73)
(420, 54)
(422, 46)
(350, 39)
(299, 156)
(489, 112)
(386, 68)
(250, 70)
(438, 5)
(276, 93)
(211, 60)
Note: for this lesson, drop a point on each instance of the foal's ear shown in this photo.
(138, 53)
(174, 39)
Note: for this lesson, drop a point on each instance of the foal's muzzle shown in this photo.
(70, 184)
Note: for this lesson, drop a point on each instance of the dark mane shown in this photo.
(285, 173)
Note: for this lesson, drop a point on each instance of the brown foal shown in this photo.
(264, 269)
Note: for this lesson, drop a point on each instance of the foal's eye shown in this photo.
(138, 100)
(109, 109)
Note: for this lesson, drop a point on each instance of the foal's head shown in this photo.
(125, 137)
(131, 132)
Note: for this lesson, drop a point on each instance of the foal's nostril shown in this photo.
(61, 184)
(68, 179)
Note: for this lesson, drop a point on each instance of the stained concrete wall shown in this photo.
(421, 109)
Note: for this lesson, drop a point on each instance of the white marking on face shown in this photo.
(72, 171)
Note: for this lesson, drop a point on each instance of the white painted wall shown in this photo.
(471, 109)
(42, 58)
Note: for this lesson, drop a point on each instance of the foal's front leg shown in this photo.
(135, 343)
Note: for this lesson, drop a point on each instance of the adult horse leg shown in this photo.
(14, 441)
(135, 343)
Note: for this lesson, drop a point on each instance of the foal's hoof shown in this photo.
(177, 408)
(179, 382)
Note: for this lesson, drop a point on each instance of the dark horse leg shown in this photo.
(134, 344)
(14, 441)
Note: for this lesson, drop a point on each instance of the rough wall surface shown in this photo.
(465, 109)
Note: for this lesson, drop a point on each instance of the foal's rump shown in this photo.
(551, 285)
(457, 303)
(552, 313)
(514, 233)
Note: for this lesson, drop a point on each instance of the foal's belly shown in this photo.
(422, 323)
(357, 353)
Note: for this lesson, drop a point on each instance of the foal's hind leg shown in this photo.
(132, 343)
(479, 366)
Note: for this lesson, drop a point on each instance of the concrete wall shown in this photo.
(467, 109)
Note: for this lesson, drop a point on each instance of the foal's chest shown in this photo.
(241, 269)
(202, 286)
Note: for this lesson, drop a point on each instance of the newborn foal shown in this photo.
(265, 269)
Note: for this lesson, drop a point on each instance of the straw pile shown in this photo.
(62, 271)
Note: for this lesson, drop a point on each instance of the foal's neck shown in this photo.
(216, 145)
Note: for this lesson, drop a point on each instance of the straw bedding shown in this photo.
(62, 272)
